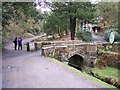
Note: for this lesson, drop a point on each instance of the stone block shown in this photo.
(91, 48)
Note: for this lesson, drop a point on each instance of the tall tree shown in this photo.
(55, 24)
(119, 17)
(109, 12)
(72, 11)
(19, 13)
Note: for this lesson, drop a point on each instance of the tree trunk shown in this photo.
(53, 35)
(77, 25)
(72, 27)
(66, 32)
(59, 32)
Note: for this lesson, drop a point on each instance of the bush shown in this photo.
(84, 35)
(107, 35)
(117, 36)
(34, 31)
(118, 30)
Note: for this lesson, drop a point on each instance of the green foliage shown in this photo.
(71, 11)
(81, 10)
(55, 24)
(19, 14)
(107, 72)
(118, 30)
(107, 34)
(100, 51)
(117, 36)
(109, 11)
(84, 35)
(35, 31)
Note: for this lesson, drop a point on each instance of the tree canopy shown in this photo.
(19, 13)
(72, 11)
(109, 12)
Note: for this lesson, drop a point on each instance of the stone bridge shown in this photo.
(85, 52)
(74, 52)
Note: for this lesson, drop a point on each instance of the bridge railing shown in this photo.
(89, 47)
(39, 45)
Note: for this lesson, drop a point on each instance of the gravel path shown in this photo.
(22, 69)
(97, 38)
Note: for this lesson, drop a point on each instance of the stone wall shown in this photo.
(111, 59)
(115, 47)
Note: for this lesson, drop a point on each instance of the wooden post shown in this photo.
(42, 52)
(28, 47)
(35, 46)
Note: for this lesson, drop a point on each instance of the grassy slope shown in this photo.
(108, 72)
(95, 80)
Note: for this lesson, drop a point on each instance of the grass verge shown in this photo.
(93, 79)
(108, 74)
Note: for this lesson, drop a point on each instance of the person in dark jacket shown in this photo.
(15, 43)
(20, 43)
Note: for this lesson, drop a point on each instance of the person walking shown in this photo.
(89, 26)
(20, 43)
(15, 43)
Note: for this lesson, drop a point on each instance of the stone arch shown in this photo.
(76, 53)
(76, 61)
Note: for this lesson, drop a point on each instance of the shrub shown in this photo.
(107, 35)
(30, 31)
(84, 35)
(100, 51)
(117, 30)
(117, 36)
(35, 31)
